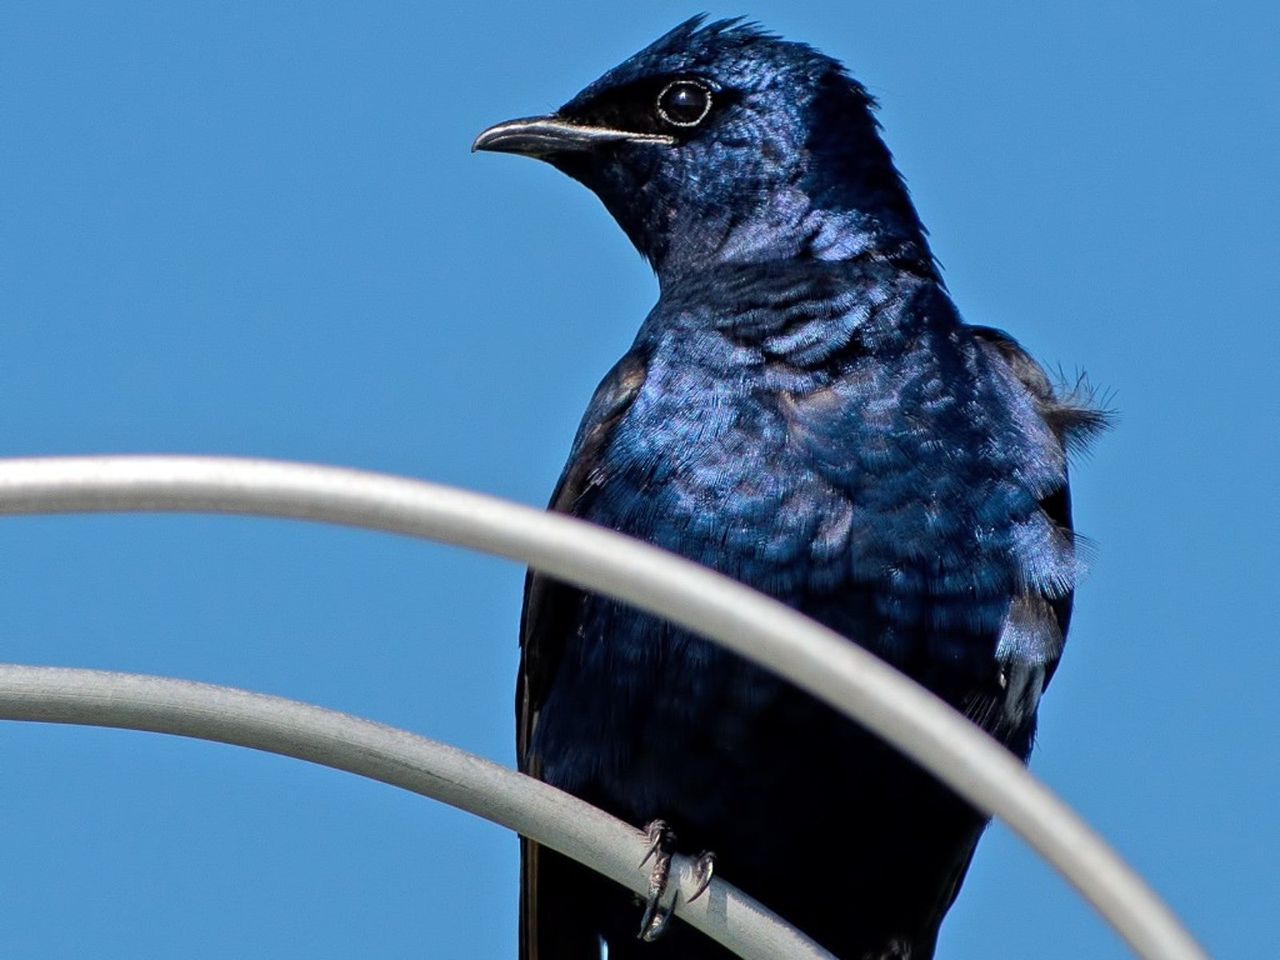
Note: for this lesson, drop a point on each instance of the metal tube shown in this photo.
(815, 658)
(402, 759)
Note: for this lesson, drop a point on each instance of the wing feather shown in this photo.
(552, 912)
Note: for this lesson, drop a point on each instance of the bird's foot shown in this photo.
(662, 842)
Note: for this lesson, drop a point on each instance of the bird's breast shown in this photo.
(895, 492)
(874, 500)
(707, 464)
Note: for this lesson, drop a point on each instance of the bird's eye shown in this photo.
(684, 103)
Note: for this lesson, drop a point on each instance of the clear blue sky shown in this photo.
(256, 229)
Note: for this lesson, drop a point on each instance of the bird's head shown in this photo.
(722, 143)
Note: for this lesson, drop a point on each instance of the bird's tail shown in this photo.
(559, 919)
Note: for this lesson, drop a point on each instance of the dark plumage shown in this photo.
(805, 411)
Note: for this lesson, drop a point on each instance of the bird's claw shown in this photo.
(662, 841)
(704, 869)
(660, 836)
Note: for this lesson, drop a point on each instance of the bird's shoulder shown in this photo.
(1071, 413)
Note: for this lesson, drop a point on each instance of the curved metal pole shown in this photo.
(844, 675)
(402, 759)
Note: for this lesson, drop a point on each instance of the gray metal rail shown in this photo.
(815, 658)
(402, 759)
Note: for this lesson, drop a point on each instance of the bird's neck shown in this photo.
(806, 315)
(789, 225)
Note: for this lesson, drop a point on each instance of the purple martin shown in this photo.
(805, 411)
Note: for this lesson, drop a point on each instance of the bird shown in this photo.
(805, 411)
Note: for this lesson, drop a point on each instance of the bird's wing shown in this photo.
(554, 924)
(549, 606)
(1074, 421)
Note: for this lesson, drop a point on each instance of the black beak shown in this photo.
(542, 136)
